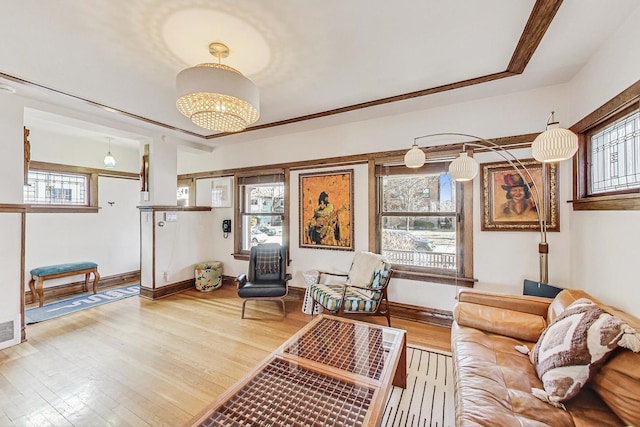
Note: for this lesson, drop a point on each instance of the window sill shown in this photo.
(61, 209)
(443, 279)
(241, 256)
(614, 202)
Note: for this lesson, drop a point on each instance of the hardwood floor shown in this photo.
(137, 362)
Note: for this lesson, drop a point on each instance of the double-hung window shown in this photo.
(261, 210)
(419, 222)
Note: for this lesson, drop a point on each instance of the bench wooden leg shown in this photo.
(96, 277)
(32, 286)
(40, 290)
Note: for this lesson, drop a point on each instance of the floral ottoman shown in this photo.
(208, 275)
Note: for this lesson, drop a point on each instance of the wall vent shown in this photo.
(6, 331)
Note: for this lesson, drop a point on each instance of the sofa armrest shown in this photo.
(515, 316)
(522, 303)
(514, 324)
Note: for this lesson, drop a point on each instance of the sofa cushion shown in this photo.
(618, 381)
(574, 346)
(493, 385)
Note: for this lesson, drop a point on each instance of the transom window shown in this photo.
(55, 188)
(614, 156)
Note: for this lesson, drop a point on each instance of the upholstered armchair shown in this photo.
(267, 277)
(364, 291)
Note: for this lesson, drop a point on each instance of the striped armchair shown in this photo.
(363, 292)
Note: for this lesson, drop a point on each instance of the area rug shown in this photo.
(428, 398)
(60, 308)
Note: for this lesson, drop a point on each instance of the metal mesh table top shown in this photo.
(286, 394)
(351, 347)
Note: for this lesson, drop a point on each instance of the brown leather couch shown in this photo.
(493, 380)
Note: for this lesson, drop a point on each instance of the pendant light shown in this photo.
(109, 160)
(217, 97)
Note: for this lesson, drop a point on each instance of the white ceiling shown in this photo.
(306, 57)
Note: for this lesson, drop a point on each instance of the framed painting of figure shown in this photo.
(512, 202)
(326, 214)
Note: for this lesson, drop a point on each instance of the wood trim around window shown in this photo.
(620, 105)
(92, 175)
(464, 276)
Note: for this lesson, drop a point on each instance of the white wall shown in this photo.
(10, 253)
(11, 182)
(604, 244)
(109, 237)
(181, 244)
(494, 264)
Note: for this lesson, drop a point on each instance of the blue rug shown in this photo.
(60, 308)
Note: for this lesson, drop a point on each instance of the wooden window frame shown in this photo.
(463, 275)
(619, 106)
(264, 176)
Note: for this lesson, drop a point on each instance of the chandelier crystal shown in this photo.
(217, 97)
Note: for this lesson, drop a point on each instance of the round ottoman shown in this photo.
(208, 275)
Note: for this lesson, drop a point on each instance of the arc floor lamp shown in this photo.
(553, 145)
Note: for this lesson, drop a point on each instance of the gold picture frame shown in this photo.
(326, 216)
(507, 203)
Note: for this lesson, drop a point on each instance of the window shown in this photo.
(607, 166)
(56, 188)
(614, 156)
(418, 228)
(184, 193)
(261, 202)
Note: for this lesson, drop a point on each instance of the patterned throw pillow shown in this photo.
(573, 347)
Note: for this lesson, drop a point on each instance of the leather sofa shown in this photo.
(493, 381)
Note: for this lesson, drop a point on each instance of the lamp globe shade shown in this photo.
(109, 161)
(554, 145)
(463, 168)
(414, 158)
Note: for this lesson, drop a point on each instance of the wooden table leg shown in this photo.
(400, 377)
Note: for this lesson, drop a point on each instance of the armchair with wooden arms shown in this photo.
(267, 277)
(363, 292)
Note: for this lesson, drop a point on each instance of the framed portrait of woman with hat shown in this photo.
(510, 203)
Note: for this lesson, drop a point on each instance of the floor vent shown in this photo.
(6, 331)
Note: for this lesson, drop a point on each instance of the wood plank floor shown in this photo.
(137, 362)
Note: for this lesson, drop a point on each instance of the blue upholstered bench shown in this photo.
(62, 270)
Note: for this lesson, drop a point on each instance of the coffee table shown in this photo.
(334, 371)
